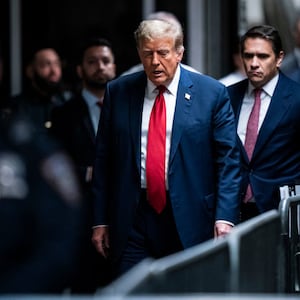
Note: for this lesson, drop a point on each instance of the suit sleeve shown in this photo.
(227, 160)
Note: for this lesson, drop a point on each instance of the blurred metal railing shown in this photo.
(254, 248)
(245, 261)
(203, 268)
(289, 210)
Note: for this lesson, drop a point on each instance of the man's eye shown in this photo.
(247, 55)
(163, 53)
(147, 54)
(263, 56)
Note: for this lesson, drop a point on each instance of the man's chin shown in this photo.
(97, 85)
(158, 80)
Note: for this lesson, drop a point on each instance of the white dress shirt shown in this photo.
(248, 102)
(170, 100)
(94, 109)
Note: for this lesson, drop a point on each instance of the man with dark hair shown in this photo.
(44, 91)
(75, 125)
(267, 109)
(40, 212)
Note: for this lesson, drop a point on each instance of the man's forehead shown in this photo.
(46, 54)
(258, 43)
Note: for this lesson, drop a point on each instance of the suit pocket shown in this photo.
(210, 201)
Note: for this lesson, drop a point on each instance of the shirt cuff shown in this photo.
(97, 226)
(225, 222)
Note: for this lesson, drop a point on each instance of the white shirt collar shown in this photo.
(89, 98)
(268, 88)
(172, 87)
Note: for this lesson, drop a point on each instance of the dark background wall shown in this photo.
(4, 39)
(63, 23)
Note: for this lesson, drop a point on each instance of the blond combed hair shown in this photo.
(153, 29)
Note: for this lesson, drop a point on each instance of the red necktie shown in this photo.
(156, 153)
(251, 134)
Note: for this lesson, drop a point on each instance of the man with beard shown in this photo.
(44, 91)
(75, 125)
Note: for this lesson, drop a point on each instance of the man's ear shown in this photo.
(280, 58)
(79, 71)
(29, 71)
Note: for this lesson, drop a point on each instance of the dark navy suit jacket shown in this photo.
(72, 126)
(276, 156)
(203, 172)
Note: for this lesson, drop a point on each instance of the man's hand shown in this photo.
(100, 239)
(89, 174)
(221, 229)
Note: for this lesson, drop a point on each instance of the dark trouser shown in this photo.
(153, 235)
(248, 210)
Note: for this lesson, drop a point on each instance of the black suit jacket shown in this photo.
(72, 126)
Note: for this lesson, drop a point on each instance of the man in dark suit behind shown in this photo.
(276, 156)
(75, 125)
(201, 174)
(40, 212)
(45, 89)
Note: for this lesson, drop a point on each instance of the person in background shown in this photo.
(44, 92)
(291, 62)
(40, 212)
(239, 73)
(267, 109)
(165, 16)
(75, 125)
(152, 204)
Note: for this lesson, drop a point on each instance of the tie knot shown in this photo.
(161, 89)
(257, 93)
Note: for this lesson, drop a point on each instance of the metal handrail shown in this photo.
(289, 209)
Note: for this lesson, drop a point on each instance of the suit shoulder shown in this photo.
(72, 106)
(285, 81)
(73, 103)
(127, 83)
(203, 79)
(128, 79)
(241, 85)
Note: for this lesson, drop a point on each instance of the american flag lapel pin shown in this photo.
(187, 96)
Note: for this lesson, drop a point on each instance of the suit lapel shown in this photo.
(279, 105)
(87, 123)
(86, 119)
(236, 98)
(184, 101)
(136, 101)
